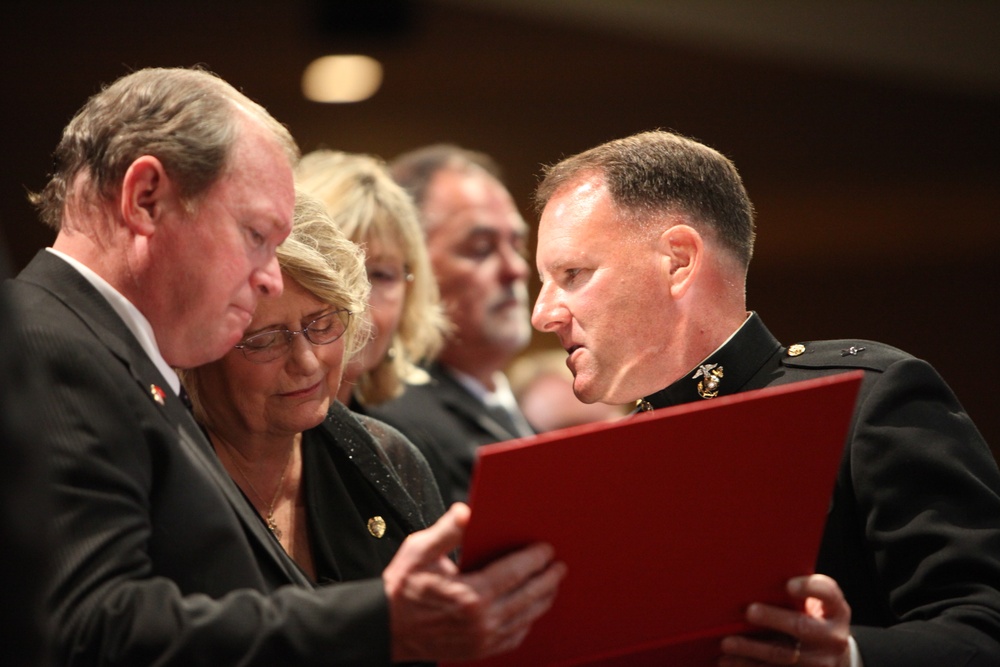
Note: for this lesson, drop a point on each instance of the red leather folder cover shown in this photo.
(670, 522)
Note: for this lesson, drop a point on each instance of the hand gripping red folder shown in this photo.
(670, 522)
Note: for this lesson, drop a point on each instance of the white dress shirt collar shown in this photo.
(134, 320)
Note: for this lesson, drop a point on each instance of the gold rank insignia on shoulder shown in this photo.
(711, 377)
(376, 526)
(796, 350)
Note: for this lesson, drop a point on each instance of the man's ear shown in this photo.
(682, 251)
(145, 189)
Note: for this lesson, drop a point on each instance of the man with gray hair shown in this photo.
(476, 241)
(171, 192)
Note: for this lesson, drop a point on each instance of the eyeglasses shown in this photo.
(266, 346)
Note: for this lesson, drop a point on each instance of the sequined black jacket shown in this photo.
(366, 488)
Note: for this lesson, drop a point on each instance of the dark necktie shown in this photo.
(508, 421)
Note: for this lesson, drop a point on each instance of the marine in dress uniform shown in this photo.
(913, 531)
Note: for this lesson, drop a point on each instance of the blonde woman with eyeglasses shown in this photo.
(339, 491)
(404, 304)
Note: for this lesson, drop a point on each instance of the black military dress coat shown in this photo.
(913, 531)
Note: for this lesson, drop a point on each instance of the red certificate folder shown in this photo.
(670, 522)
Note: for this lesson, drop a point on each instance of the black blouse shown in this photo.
(366, 488)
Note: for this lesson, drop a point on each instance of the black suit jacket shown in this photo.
(447, 424)
(24, 503)
(913, 531)
(159, 558)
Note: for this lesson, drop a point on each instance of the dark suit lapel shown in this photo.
(53, 274)
(344, 430)
(360, 446)
(193, 441)
(455, 396)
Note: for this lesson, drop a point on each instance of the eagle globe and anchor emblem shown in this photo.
(711, 378)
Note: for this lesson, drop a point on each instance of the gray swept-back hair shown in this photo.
(187, 118)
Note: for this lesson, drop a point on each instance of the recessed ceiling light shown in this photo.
(349, 78)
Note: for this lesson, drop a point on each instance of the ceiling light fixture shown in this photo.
(347, 78)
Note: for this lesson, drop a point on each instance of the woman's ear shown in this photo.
(144, 191)
(682, 250)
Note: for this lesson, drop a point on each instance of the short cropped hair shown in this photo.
(658, 172)
(364, 201)
(415, 169)
(186, 118)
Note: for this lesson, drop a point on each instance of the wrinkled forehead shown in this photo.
(575, 206)
(469, 197)
(584, 193)
(563, 245)
(581, 226)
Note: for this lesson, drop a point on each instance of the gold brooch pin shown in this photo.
(711, 375)
(376, 526)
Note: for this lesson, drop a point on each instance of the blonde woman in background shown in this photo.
(404, 307)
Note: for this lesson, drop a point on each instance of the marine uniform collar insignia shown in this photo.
(736, 361)
(709, 378)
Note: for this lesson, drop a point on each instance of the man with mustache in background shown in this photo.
(476, 240)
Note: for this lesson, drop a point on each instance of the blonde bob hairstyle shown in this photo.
(189, 119)
(318, 257)
(367, 205)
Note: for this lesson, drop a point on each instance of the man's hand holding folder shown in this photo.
(672, 524)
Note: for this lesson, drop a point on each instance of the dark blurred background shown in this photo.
(868, 133)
